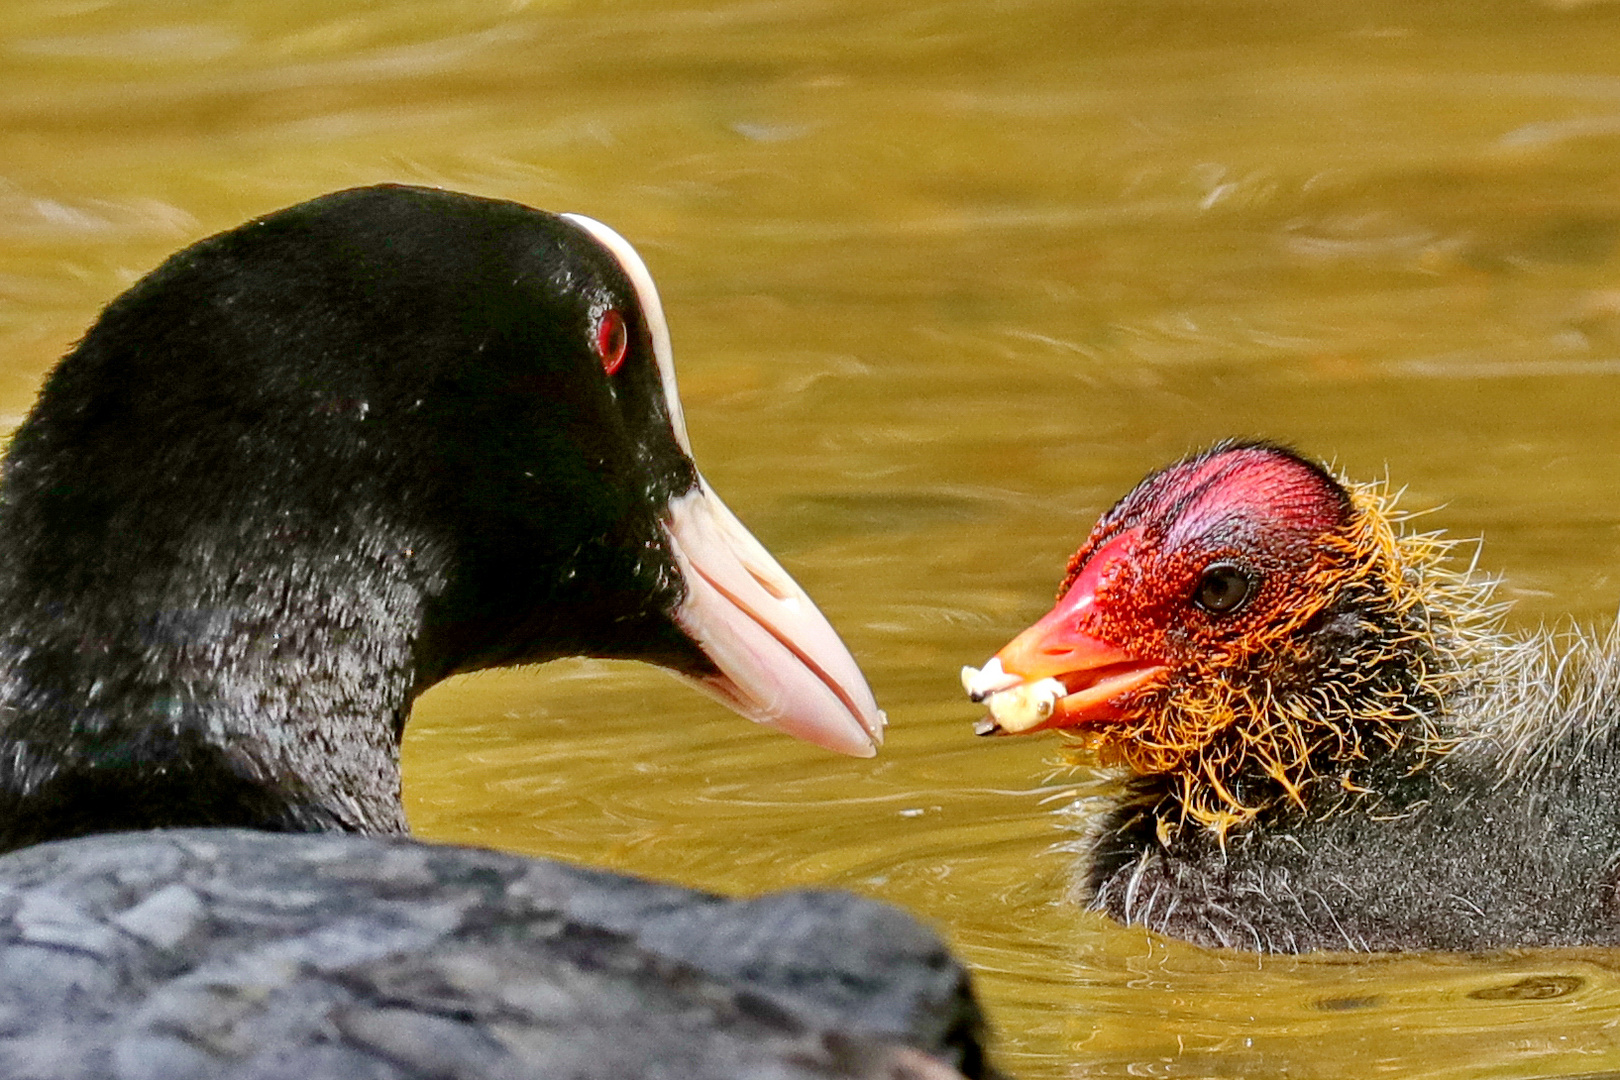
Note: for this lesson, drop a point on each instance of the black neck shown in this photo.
(182, 690)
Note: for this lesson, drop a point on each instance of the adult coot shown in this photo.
(298, 474)
(310, 467)
(1323, 739)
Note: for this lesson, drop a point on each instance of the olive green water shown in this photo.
(944, 280)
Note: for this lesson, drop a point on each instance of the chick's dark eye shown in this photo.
(1223, 589)
(612, 341)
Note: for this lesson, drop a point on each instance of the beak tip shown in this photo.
(849, 741)
(872, 726)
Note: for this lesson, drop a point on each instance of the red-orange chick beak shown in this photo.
(1061, 673)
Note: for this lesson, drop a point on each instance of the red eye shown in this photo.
(611, 341)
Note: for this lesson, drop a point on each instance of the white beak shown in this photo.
(780, 661)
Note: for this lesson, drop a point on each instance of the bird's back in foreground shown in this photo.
(229, 954)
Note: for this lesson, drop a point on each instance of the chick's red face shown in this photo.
(1199, 568)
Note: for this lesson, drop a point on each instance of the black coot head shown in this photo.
(408, 408)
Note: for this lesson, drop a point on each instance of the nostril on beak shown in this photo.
(768, 584)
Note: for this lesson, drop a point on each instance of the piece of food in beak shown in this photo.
(1015, 707)
(1057, 675)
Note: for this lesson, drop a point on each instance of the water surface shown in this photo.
(945, 279)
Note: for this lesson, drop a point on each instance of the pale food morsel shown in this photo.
(1015, 706)
(980, 683)
(1026, 706)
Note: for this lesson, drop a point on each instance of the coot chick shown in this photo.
(296, 475)
(1321, 737)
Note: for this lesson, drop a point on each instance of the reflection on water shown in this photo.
(945, 279)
